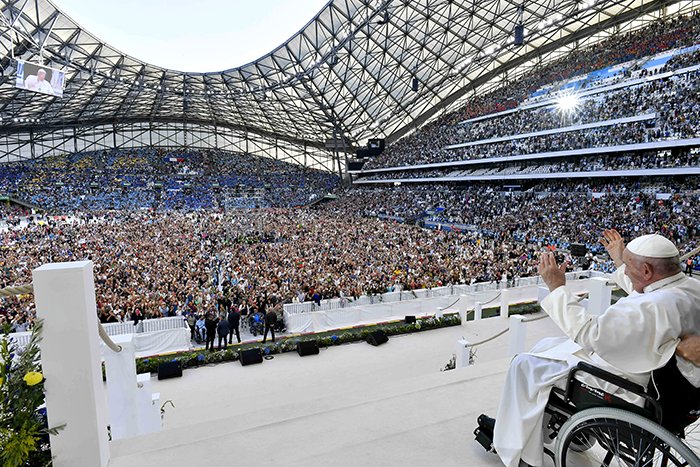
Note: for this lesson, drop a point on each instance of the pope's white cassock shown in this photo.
(631, 338)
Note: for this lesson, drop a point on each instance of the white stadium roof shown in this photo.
(349, 69)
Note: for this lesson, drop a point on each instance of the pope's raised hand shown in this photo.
(552, 275)
(614, 244)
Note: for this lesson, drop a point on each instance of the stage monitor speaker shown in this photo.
(251, 356)
(409, 319)
(169, 370)
(307, 348)
(377, 338)
(519, 34)
(414, 85)
(578, 249)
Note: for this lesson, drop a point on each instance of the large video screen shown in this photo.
(39, 78)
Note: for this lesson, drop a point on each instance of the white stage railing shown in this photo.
(115, 329)
(148, 325)
(392, 297)
(426, 302)
(159, 335)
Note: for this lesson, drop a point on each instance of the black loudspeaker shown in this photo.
(578, 249)
(409, 319)
(414, 85)
(170, 370)
(250, 356)
(307, 348)
(377, 338)
(519, 34)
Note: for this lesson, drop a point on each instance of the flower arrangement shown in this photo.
(24, 431)
(452, 364)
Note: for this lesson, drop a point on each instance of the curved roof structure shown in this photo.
(350, 68)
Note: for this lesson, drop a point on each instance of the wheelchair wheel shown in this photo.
(618, 438)
(692, 437)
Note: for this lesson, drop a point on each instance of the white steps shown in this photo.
(351, 405)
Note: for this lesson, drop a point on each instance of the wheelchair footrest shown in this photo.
(484, 438)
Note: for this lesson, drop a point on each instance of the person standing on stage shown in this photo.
(270, 322)
(222, 329)
(234, 321)
(210, 325)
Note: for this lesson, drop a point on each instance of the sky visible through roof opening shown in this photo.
(201, 36)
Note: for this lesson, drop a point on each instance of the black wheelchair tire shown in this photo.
(626, 421)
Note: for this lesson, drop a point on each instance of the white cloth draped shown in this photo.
(158, 342)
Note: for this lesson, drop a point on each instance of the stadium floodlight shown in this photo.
(567, 103)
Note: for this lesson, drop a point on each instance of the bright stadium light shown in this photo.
(567, 103)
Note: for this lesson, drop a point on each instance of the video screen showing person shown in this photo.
(40, 78)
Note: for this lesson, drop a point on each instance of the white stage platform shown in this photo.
(348, 406)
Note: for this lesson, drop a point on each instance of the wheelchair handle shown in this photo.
(614, 379)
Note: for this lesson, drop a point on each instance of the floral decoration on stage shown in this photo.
(289, 344)
(24, 430)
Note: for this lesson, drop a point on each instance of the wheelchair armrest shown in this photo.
(603, 374)
(613, 379)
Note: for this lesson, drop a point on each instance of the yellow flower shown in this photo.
(1, 380)
(33, 378)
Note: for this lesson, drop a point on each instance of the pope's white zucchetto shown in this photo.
(653, 246)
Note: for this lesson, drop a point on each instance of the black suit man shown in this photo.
(234, 321)
(223, 329)
(270, 321)
(210, 326)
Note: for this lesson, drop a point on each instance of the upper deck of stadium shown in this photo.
(349, 70)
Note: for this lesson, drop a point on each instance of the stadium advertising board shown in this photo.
(40, 78)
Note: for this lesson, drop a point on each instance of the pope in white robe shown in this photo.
(631, 338)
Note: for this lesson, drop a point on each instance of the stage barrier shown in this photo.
(490, 297)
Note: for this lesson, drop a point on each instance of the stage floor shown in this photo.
(350, 405)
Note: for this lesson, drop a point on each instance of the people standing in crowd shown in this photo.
(191, 322)
(223, 328)
(270, 322)
(210, 324)
(234, 321)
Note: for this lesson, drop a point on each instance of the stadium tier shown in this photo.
(508, 173)
(637, 99)
(503, 140)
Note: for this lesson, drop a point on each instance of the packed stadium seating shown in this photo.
(344, 247)
(665, 105)
(186, 180)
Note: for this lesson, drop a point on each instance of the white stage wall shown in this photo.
(318, 321)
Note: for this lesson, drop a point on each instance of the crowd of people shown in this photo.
(678, 116)
(632, 161)
(209, 235)
(674, 101)
(161, 179)
(159, 263)
(554, 214)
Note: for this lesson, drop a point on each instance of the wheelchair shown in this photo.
(254, 326)
(591, 427)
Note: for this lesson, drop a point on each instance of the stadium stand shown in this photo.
(656, 94)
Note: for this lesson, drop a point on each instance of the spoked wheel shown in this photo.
(602, 437)
(692, 438)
